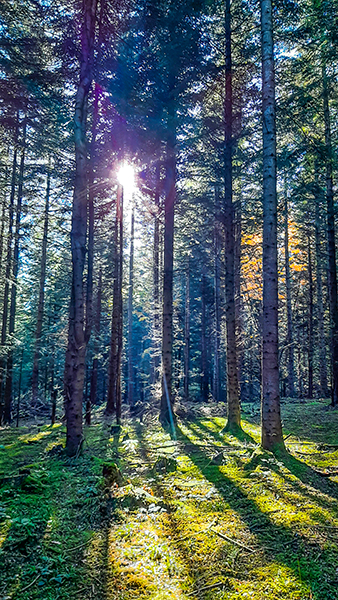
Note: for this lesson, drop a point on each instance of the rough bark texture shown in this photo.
(187, 331)
(131, 399)
(41, 302)
(233, 398)
(12, 311)
(8, 268)
(77, 338)
(319, 295)
(204, 356)
(156, 281)
(93, 381)
(290, 340)
(310, 340)
(331, 243)
(217, 300)
(271, 419)
(114, 366)
(166, 408)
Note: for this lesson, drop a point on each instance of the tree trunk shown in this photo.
(8, 270)
(12, 311)
(272, 436)
(319, 285)
(217, 299)
(43, 263)
(204, 360)
(131, 398)
(331, 242)
(166, 409)
(114, 379)
(233, 398)
(93, 383)
(187, 331)
(310, 340)
(77, 337)
(156, 281)
(290, 340)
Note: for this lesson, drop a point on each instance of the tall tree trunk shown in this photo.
(204, 358)
(131, 398)
(93, 382)
(8, 270)
(43, 264)
(272, 436)
(12, 311)
(166, 409)
(290, 341)
(114, 375)
(217, 299)
(310, 340)
(234, 407)
(331, 242)
(319, 286)
(187, 330)
(156, 280)
(3, 218)
(77, 336)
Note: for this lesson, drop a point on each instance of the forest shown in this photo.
(168, 299)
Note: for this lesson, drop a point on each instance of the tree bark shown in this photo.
(131, 398)
(310, 339)
(166, 409)
(233, 397)
(319, 286)
(8, 269)
(93, 382)
(187, 331)
(156, 281)
(331, 242)
(290, 340)
(12, 311)
(217, 299)
(114, 377)
(77, 337)
(204, 358)
(43, 264)
(272, 436)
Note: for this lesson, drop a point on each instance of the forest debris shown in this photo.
(231, 540)
(165, 464)
(209, 587)
(112, 474)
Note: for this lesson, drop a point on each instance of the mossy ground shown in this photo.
(206, 515)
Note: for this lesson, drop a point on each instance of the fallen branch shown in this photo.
(232, 541)
(207, 587)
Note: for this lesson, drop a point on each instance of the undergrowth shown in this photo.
(142, 514)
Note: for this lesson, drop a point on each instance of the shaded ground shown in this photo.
(203, 515)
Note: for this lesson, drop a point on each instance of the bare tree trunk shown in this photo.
(3, 218)
(19, 389)
(319, 285)
(131, 399)
(120, 323)
(204, 359)
(12, 311)
(93, 383)
(217, 299)
(290, 341)
(8, 270)
(156, 280)
(272, 436)
(331, 242)
(166, 409)
(234, 406)
(310, 340)
(114, 367)
(43, 264)
(77, 336)
(187, 331)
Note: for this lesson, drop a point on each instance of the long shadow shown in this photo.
(242, 436)
(302, 471)
(278, 541)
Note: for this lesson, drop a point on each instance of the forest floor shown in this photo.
(199, 515)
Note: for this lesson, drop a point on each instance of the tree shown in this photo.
(272, 437)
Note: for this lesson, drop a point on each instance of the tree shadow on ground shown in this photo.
(278, 541)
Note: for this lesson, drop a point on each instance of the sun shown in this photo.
(126, 177)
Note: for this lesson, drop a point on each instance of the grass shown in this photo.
(207, 515)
